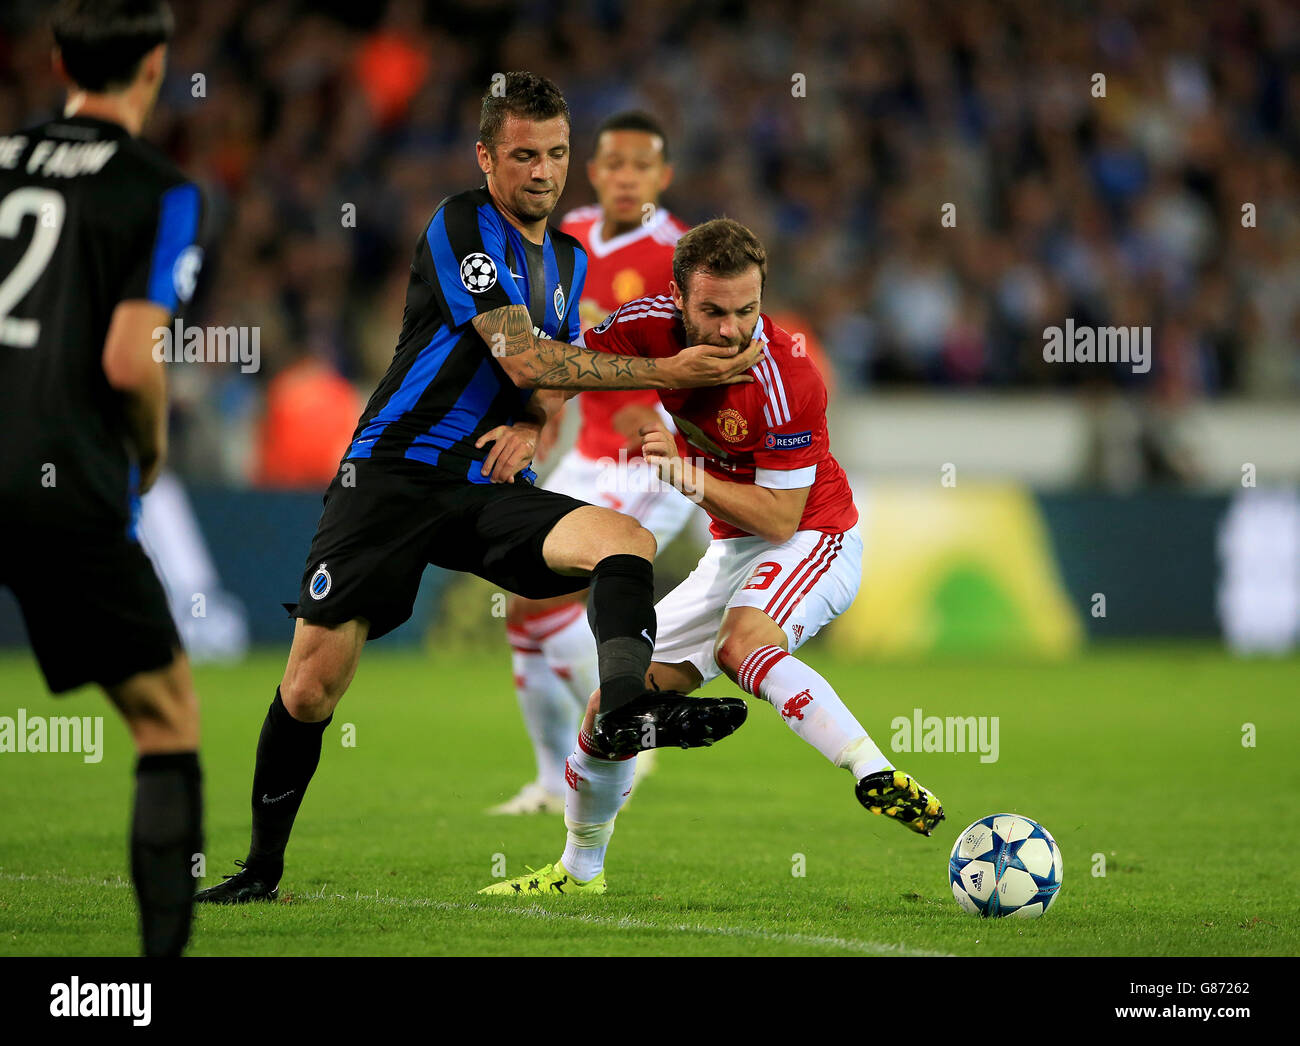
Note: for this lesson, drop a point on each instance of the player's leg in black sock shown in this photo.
(166, 831)
(621, 612)
(166, 839)
(288, 753)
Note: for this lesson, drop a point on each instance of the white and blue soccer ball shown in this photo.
(1005, 864)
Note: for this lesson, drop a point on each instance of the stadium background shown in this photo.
(1001, 495)
(843, 133)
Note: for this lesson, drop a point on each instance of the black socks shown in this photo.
(621, 612)
(288, 752)
(166, 839)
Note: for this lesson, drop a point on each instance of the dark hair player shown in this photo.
(97, 248)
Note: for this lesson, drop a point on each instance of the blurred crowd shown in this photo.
(1119, 162)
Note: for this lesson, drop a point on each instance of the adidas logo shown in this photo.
(976, 879)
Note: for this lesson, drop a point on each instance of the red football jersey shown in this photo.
(628, 266)
(771, 432)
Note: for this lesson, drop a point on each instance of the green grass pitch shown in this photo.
(1134, 754)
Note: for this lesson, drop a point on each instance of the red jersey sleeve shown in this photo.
(635, 328)
(609, 335)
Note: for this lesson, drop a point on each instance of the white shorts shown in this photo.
(801, 585)
(632, 487)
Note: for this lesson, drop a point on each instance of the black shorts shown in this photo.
(382, 527)
(94, 608)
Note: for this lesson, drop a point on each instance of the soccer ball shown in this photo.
(1005, 864)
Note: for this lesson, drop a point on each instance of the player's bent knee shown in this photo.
(730, 651)
(307, 696)
(732, 648)
(637, 541)
(744, 630)
(626, 537)
(322, 661)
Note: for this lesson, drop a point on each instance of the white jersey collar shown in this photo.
(600, 247)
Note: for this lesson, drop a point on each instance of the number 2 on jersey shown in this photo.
(49, 208)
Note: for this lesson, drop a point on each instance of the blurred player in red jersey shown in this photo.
(629, 240)
(786, 556)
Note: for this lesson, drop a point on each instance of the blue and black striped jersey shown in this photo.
(89, 218)
(444, 388)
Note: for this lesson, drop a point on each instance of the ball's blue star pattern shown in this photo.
(1004, 855)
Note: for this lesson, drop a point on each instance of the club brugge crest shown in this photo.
(321, 583)
(732, 425)
(559, 302)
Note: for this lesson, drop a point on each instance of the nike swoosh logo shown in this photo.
(267, 799)
(516, 276)
(645, 632)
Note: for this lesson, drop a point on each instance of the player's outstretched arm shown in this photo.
(131, 369)
(542, 363)
(772, 515)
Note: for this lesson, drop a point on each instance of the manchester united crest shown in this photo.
(732, 425)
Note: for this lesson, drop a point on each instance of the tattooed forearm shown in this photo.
(542, 363)
(562, 366)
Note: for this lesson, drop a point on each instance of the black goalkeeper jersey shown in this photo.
(89, 217)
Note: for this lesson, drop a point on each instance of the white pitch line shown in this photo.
(66, 880)
(620, 922)
(628, 922)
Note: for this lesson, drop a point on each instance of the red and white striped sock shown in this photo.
(811, 708)
(570, 649)
(596, 789)
(550, 713)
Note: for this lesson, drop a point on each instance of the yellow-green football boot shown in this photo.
(892, 793)
(546, 881)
